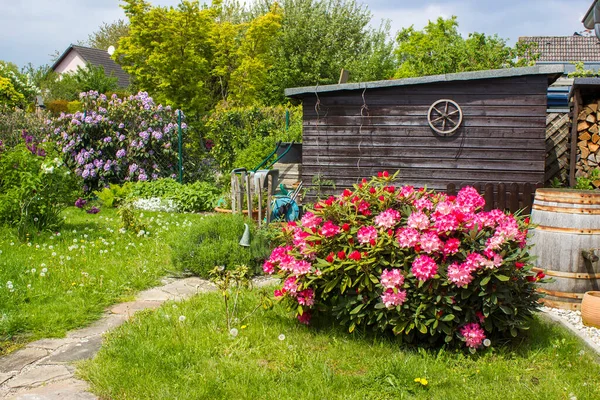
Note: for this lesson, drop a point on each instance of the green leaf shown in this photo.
(502, 278)
(447, 317)
(485, 281)
(357, 309)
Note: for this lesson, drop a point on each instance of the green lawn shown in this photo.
(158, 356)
(59, 281)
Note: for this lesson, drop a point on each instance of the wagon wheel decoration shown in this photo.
(444, 117)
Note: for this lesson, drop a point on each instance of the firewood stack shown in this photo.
(588, 141)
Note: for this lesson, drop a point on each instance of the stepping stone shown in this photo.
(5, 377)
(49, 344)
(99, 327)
(70, 389)
(156, 294)
(38, 376)
(83, 350)
(20, 358)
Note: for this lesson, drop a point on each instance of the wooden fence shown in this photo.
(558, 127)
(511, 197)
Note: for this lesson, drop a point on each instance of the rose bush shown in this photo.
(430, 267)
(116, 140)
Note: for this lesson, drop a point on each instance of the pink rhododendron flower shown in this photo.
(392, 278)
(459, 274)
(406, 191)
(430, 242)
(451, 246)
(279, 253)
(330, 229)
(408, 237)
(424, 268)
(446, 223)
(268, 267)
(355, 255)
(287, 263)
(473, 334)
(468, 199)
(474, 261)
(366, 234)
(423, 204)
(495, 242)
(309, 220)
(301, 267)
(418, 220)
(278, 293)
(444, 208)
(391, 299)
(304, 318)
(387, 218)
(290, 285)
(306, 297)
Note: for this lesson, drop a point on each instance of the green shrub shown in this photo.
(58, 106)
(193, 197)
(13, 121)
(35, 186)
(215, 242)
(114, 195)
(587, 182)
(74, 106)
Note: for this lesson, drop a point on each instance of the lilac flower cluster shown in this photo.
(117, 140)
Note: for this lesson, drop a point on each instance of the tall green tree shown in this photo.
(439, 49)
(107, 34)
(320, 37)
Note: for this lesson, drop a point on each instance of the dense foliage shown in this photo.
(116, 140)
(192, 197)
(16, 88)
(440, 49)
(13, 121)
(243, 137)
(35, 186)
(430, 267)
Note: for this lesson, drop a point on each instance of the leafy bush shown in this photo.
(16, 88)
(114, 195)
(74, 106)
(587, 182)
(193, 197)
(429, 267)
(35, 186)
(244, 136)
(56, 107)
(116, 140)
(215, 242)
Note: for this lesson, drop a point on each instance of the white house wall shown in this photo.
(70, 63)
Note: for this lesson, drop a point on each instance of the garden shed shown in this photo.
(484, 128)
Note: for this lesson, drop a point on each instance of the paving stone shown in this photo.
(99, 327)
(156, 294)
(70, 389)
(50, 344)
(39, 375)
(6, 376)
(83, 350)
(129, 308)
(20, 358)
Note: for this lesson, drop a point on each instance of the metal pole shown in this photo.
(180, 149)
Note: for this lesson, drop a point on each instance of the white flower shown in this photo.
(487, 342)
(42, 274)
(33, 270)
(44, 270)
(9, 285)
(281, 337)
(181, 318)
(233, 332)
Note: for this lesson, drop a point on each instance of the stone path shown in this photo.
(43, 370)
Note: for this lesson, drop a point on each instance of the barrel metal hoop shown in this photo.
(581, 199)
(568, 275)
(565, 295)
(567, 210)
(576, 231)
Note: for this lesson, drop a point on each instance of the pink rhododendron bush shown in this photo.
(430, 267)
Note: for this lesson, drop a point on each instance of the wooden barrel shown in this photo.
(566, 243)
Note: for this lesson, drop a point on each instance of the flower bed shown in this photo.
(430, 267)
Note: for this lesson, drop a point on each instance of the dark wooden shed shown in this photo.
(354, 130)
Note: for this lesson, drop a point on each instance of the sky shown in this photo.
(31, 31)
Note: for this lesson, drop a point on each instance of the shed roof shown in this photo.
(552, 71)
(565, 48)
(100, 58)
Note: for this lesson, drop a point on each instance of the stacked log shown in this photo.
(588, 141)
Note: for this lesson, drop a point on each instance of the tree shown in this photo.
(440, 49)
(319, 38)
(108, 35)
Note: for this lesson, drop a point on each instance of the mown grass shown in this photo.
(158, 356)
(58, 281)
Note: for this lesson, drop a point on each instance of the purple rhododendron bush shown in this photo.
(430, 267)
(116, 140)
